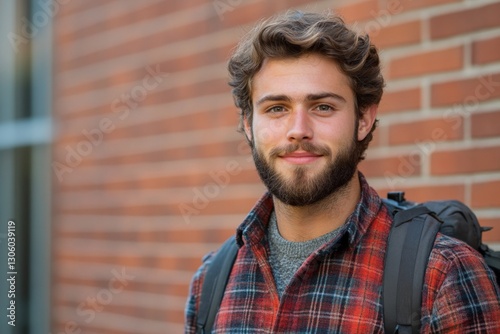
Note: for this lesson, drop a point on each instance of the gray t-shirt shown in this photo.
(286, 257)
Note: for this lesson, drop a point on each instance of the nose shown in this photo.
(299, 127)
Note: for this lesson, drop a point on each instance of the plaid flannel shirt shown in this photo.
(338, 289)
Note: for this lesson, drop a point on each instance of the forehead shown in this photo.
(308, 74)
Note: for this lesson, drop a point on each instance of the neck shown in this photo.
(302, 223)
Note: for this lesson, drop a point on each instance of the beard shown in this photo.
(302, 189)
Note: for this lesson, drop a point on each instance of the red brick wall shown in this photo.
(150, 173)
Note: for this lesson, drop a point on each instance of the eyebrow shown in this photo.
(314, 97)
(309, 97)
(271, 98)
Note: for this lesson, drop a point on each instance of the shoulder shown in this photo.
(195, 288)
(199, 276)
(449, 253)
(459, 282)
(454, 259)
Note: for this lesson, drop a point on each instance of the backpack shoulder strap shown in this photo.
(408, 248)
(214, 284)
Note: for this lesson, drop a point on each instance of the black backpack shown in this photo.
(408, 250)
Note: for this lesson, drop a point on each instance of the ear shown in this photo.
(248, 128)
(366, 121)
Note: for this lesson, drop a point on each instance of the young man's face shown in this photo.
(304, 128)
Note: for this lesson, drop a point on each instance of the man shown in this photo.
(311, 254)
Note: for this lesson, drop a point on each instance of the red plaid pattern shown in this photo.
(338, 289)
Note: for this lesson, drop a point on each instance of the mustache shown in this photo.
(304, 146)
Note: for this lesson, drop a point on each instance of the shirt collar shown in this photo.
(254, 226)
(365, 212)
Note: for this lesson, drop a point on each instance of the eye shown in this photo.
(324, 108)
(275, 109)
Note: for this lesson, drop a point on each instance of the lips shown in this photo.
(301, 157)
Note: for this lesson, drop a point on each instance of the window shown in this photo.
(25, 135)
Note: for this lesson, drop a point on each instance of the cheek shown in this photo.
(268, 132)
(335, 131)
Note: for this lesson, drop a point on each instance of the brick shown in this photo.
(492, 235)
(72, 7)
(359, 11)
(433, 131)
(409, 5)
(243, 13)
(421, 194)
(246, 176)
(466, 161)
(376, 137)
(466, 92)
(400, 100)
(147, 313)
(486, 51)
(427, 62)
(485, 125)
(208, 57)
(194, 152)
(392, 167)
(210, 234)
(397, 35)
(436, 193)
(141, 43)
(179, 290)
(224, 117)
(485, 194)
(116, 106)
(465, 21)
(214, 207)
(147, 12)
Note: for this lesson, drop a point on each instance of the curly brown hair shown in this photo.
(294, 34)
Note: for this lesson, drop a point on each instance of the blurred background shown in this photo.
(120, 164)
